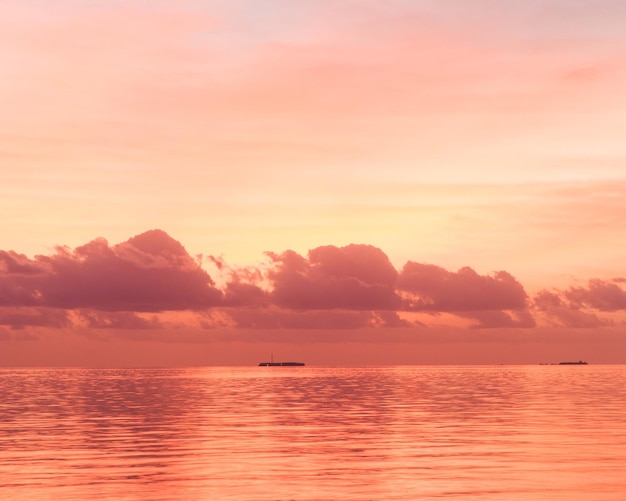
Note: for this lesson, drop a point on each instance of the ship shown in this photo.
(280, 364)
(580, 362)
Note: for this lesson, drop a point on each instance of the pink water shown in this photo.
(314, 433)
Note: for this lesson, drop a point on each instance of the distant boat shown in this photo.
(281, 364)
(580, 362)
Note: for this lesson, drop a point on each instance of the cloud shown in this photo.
(599, 294)
(492, 319)
(243, 285)
(243, 294)
(118, 320)
(18, 264)
(314, 319)
(564, 313)
(102, 286)
(18, 318)
(149, 272)
(355, 277)
(432, 288)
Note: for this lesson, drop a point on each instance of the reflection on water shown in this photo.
(307, 433)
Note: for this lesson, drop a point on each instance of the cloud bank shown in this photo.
(149, 272)
(151, 282)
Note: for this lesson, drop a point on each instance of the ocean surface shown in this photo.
(314, 433)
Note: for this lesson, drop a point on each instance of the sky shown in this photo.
(336, 182)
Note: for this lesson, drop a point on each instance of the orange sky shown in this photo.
(460, 135)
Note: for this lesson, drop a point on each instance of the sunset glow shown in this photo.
(209, 182)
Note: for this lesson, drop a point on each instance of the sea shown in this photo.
(545, 432)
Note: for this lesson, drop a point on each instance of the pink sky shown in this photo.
(206, 182)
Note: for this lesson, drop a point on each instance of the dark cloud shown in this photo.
(13, 263)
(599, 294)
(19, 279)
(20, 317)
(355, 277)
(150, 272)
(430, 287)
(356, 286)
(118, 320)
(366, 263)
(244, 295)
(563, 313)
(243, 285)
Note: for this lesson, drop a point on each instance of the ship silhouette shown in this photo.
(280, 364)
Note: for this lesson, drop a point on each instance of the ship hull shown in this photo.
(281, 364)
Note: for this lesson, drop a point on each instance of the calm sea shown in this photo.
(314, 433)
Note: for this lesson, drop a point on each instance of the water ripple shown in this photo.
(313, 433)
